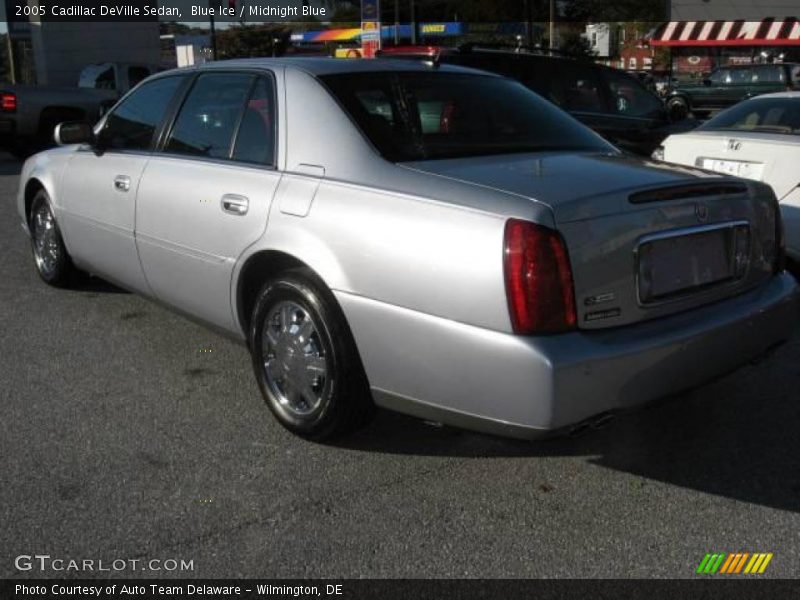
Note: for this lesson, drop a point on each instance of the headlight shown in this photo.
(658, 153)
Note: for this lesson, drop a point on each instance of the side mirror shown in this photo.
(706, 81)
(76, 132)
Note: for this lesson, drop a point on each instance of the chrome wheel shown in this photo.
(46, 245)
(294, 360)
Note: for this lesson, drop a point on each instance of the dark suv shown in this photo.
(610, 101)
(728, 85)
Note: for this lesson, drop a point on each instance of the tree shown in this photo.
(575, 44)
(618, 10)
(245, 41)
(171, 27)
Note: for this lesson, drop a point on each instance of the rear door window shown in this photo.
(578, 88)
(721, 77)
(741, 76)
(210, 115)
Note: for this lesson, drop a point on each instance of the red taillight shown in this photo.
(541, 298)
(8, 101)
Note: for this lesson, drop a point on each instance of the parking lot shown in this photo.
(129, 432)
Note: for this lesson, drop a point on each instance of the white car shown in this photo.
(756, 139)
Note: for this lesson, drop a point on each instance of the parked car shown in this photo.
(434, 240)
(664, 84)
(28, 113)
(726, 86)
(645, 77)
(612, 102)
(757, 139)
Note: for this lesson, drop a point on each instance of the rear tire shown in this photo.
(50, 257)
(678, 108)
(305, 359)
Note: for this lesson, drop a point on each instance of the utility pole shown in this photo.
(528, 25)
(396, 22)
(12, 71)
(413, 25)
(552, 24)
(213, 5)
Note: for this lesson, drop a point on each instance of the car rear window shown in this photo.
(412, 116)
(769, 115)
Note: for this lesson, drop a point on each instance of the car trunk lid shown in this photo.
(645, 239)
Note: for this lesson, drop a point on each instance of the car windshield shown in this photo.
(771, 115)
(417, 116)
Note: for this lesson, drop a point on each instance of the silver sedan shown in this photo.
(434, 240)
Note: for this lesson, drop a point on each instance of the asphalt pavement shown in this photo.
(129, 433)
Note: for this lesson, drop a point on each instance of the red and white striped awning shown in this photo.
(769, 32)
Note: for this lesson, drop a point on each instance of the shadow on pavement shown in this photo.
(88, 283)
(735, 438)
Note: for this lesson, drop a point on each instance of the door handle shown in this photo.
(235, 204)
(122, 183)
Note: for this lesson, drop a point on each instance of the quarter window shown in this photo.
(133, 123)
(631, 98)
(210, 115)
(577, 88)
(255, 140)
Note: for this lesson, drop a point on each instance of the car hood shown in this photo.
(575, 186)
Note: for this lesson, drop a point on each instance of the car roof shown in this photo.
(795, 95)
(329, 66)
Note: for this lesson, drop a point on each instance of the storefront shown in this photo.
(697, 47)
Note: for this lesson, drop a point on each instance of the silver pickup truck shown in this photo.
(29, 113)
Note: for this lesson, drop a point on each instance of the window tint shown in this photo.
(768, 74)
(770, 115)
(577, 87)
(721, 76)
(741, 76)
(132, 124)
(631, 98)
(137, 74)
(417, 116)
(105, 80)
(210, 115)
(255, 141)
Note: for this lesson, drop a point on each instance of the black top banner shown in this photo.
(171, 10)
(260, 11)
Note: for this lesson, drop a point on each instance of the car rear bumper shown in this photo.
(526, 386)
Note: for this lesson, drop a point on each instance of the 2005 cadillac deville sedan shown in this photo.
(431, 239)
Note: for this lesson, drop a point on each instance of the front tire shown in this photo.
(305, 359)
(52, 262)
